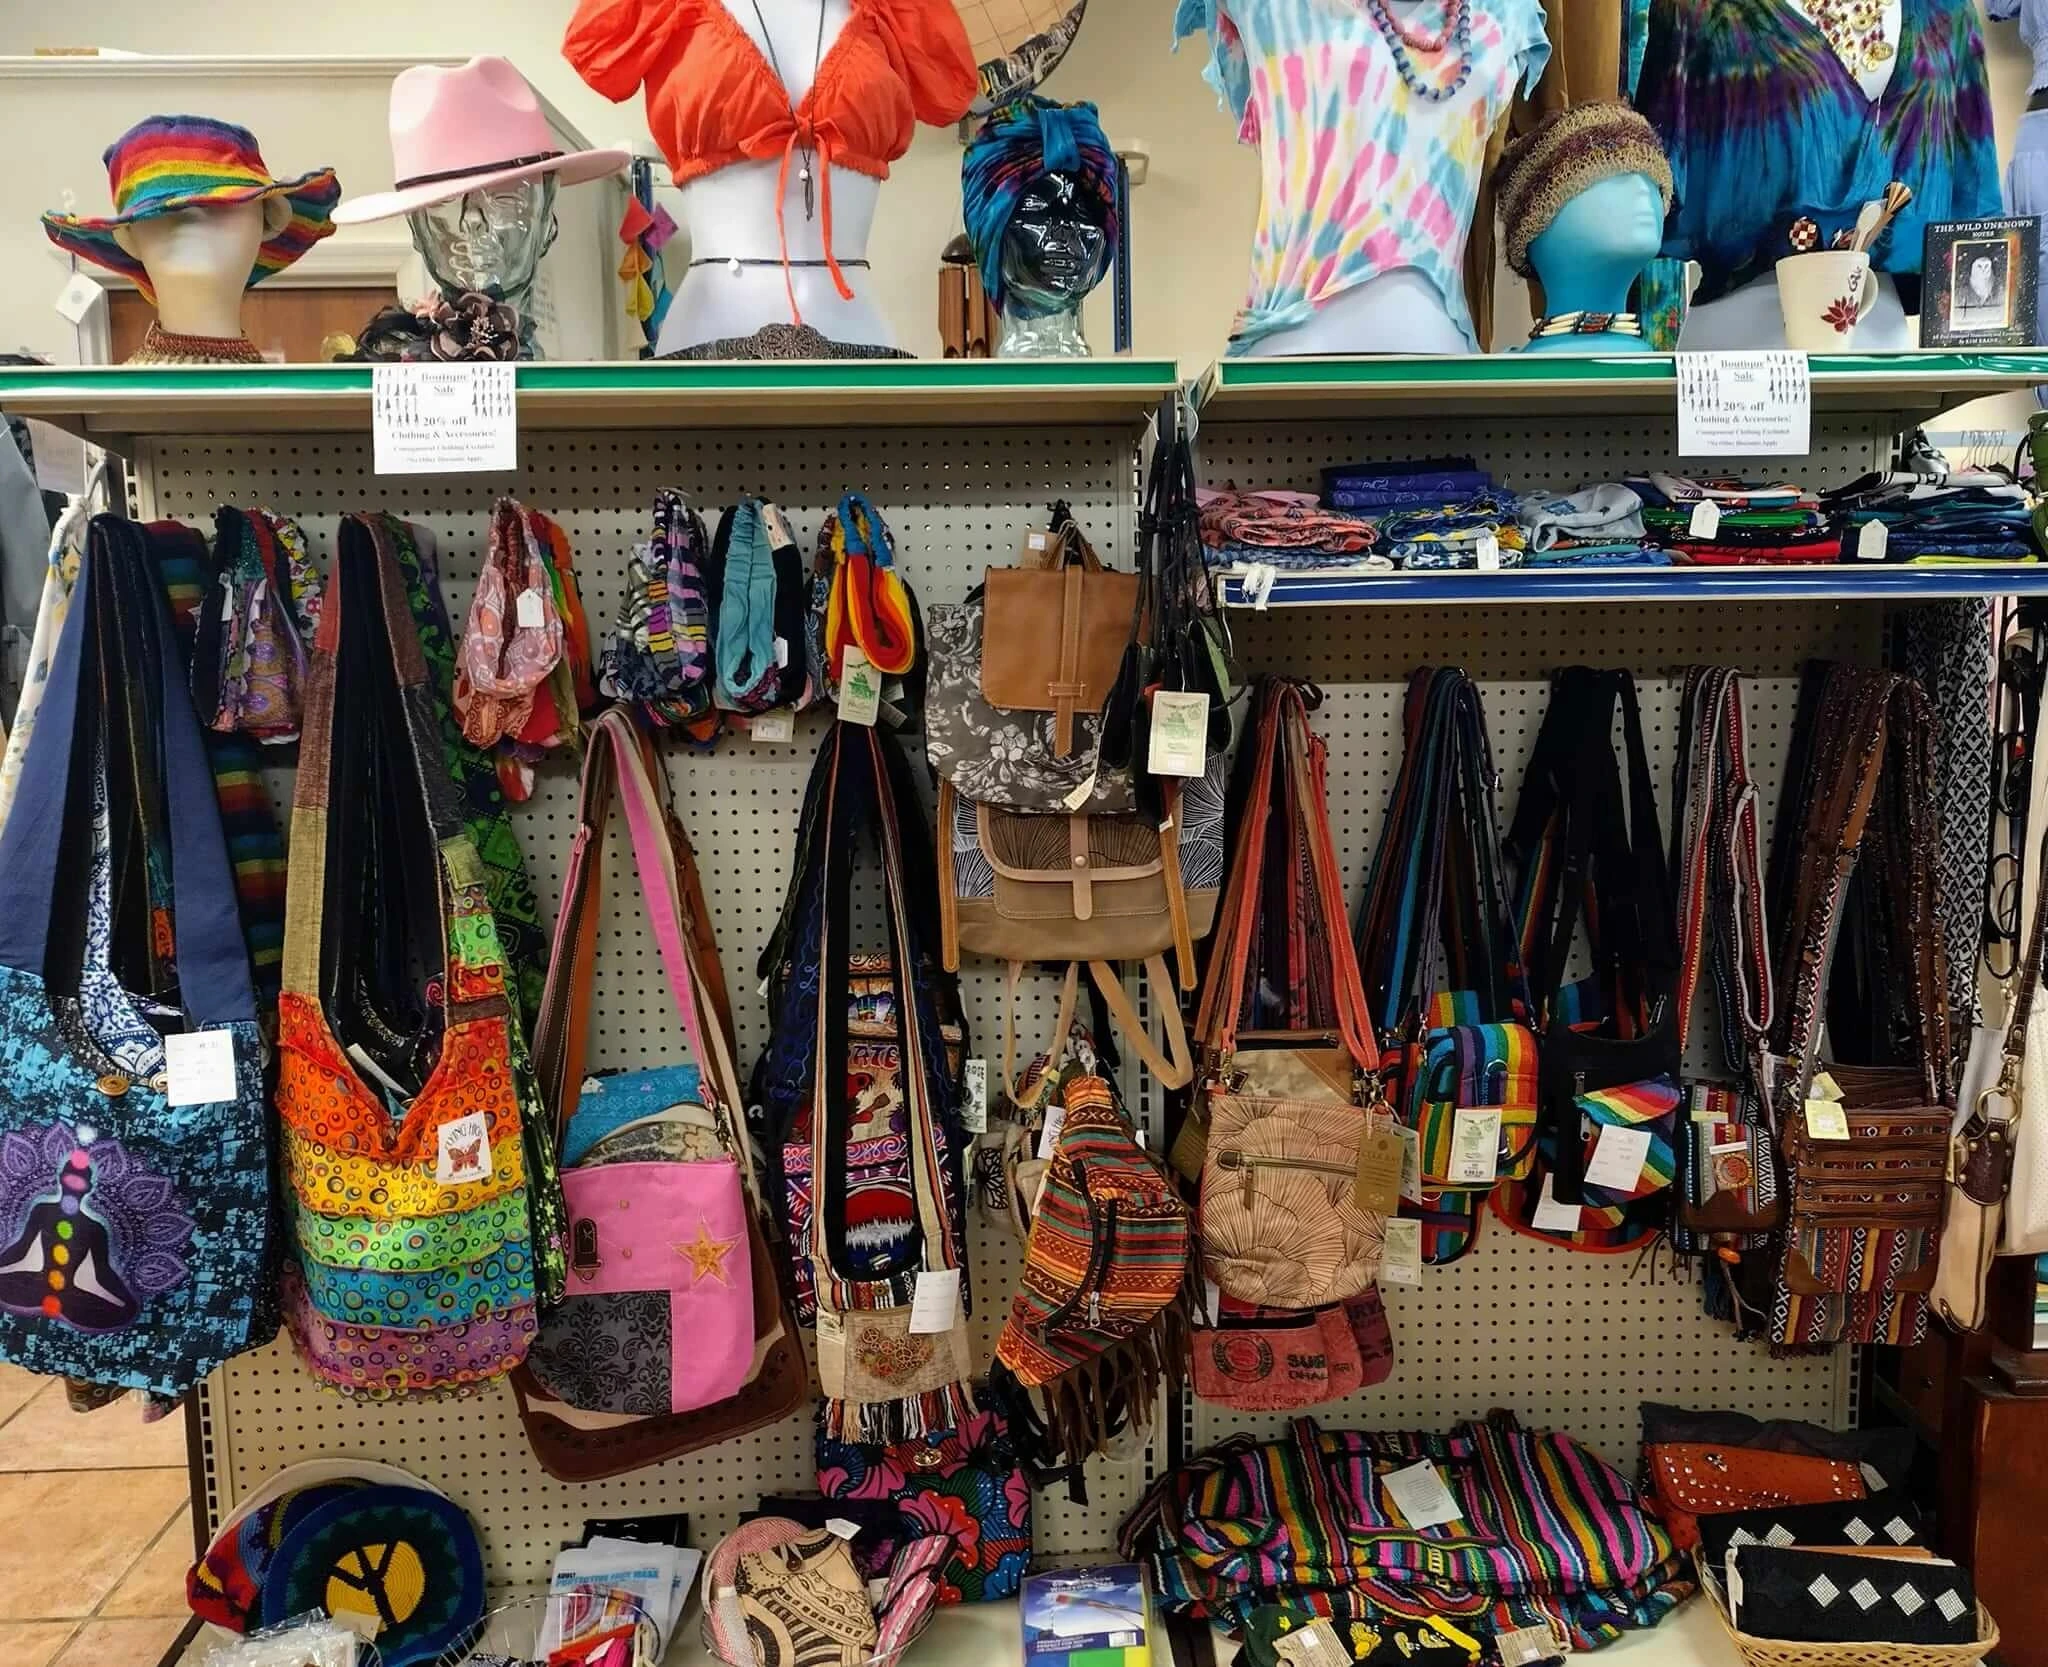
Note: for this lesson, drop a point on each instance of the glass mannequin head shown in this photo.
(490, 241)
(1056, 248)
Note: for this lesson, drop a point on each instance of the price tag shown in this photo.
(1826, 1120)
(1529, 1644)
(782, 653)
(1706, 519)
(1086, 791)
(1411, 1165)
(530, 613)
(844, 1529)
(1744, 404)
(444, 419)
(774, 729)
(78, 298)
(1180, 734)
(1618, 1158)
(1049, 1135)
(1825, 1087)
(1419, 1494)
(199, 1068)
(1873, 541)
(936, 1303)
(1212, 1301)
(1475, 1145)
(1380, 1157)
(860, 690)
(1551, 1216)
(1313, 1645)
(1401, 1252)
(974, 1109)
(1487, 554)
(463, 1152)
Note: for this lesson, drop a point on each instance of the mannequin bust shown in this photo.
(1589, 257)
(198, 262)
(490, 242)
(730, 215)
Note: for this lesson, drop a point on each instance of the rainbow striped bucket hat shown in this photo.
(166, 163)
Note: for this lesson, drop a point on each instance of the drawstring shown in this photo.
(804, 136)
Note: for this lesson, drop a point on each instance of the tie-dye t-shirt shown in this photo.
(1359, 176)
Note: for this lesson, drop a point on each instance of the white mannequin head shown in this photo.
(199, 261)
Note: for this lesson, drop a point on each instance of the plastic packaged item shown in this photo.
(310, 1640)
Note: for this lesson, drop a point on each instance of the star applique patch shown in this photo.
(707, 1255)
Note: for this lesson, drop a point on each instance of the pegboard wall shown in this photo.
(1562, 1339)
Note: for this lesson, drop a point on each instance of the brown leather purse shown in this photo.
(1688, 1480)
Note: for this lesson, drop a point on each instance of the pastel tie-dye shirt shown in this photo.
(1359, 177)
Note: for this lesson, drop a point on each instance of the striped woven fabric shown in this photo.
(1547, 1533)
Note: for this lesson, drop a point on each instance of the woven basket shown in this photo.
(1782, 1652)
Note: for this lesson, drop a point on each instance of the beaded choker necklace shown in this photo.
(1403, 38)
(1587, 324)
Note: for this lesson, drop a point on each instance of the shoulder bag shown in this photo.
(404, 1150)
(134, 1232)
(1463, 1055)
(2023, 1226)
(662, 1168)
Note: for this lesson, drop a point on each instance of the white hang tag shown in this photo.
(1873, 541)
(1419, 1494)
(1551, 1216)
(782, 653)
(1618, 1158)
(444, 419)
(1487, 554)
(463, 1151)
(1826, 1120)
(1873, 1478)
(860, 690)
(773, 729)
(1049, 1135)
(1411, 1165)
(974, 1105)
(1086, 791)
(531, 615)
(1475, 1146)
(936, 1304)
(1825, 1087)
(364, 1623)
(78, 297)
(199, 1068)
(1401, 1251)
(1313, 1645)
(1526, 1646)
(844, 1529)
(1753, 404)
(1180, 734)
(831, 1328)
(1212, 1301)
(1706, 519)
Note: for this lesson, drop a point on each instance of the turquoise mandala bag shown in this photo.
(133, 1232)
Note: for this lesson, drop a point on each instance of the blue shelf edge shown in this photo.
(1566, 585)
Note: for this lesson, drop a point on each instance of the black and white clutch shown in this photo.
(1848, 1597)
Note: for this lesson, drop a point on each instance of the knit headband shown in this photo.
(1019, 145)
(1566, 153)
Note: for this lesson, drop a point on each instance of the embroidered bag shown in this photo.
(404, 1152)
(1282, 1119)
(1607, 1123)
(1437, 899)
(1100, 1317)
(658, 655)
(249, 657)
(965, 1482)
(660, 1317)
(134, 1234)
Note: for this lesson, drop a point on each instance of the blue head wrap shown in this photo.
(1019, 144)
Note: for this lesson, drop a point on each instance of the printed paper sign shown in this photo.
(432, 419)
(1744, 405)
(199, 1068)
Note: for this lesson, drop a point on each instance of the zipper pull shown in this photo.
(1095, 1308)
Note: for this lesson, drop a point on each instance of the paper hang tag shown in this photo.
(1487, 553)
(199, 1068)
(1825, 1087)
(1401, 1251)
(1873, 541)
(782, 653)
(463, 1151)
(831, 1328)
(364, 1623)
(1086, 791)
(844, 1529)
(78, 297)
(1419, 1494)
(1706, 519)
(1526, 1646)
(773, 729)
(1411, 1164)
(530, 613)
(1618, 1158)
(1180, 734)
(1551, 1216)
(860, 690)
(1035, 545)
(1313, 1645)
(936, 1304)
(1380, 1157)
(1826, 1120)
(974, 1105)
(1212, 1301)
(442, 419)
(1475, 1145)
(1049, 1135)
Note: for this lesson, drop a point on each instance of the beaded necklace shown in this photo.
(1402, 39)
(1586, 324)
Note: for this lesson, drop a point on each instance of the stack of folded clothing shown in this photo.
(1596, 526)
(1282, 529)
(1972, 515)
(1433, 513)
(1380, 488)
(1732, 523)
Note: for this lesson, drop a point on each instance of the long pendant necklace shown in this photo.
(1402, 39)
(807, 148)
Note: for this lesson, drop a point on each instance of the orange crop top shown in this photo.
(714, 99)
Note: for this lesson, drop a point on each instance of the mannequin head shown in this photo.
(490, 240)
(199, 259)
(1056, 248)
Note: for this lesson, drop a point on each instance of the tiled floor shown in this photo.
(92, 1569)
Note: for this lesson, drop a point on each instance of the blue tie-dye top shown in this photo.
(1358, 175)
(1765, 125)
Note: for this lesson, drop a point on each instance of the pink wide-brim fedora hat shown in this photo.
(465, 129)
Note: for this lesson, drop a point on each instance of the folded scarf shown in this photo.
(868, 607)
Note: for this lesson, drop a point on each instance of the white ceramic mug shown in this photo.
(1824, 296)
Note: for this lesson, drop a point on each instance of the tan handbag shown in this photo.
(1055, 630)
